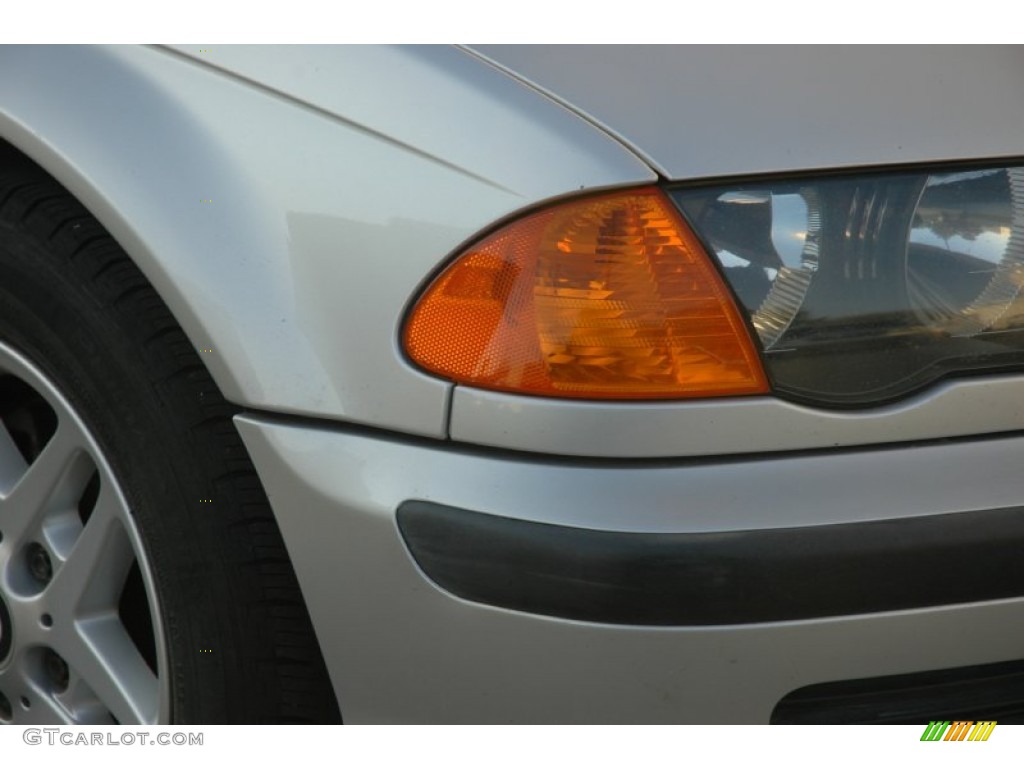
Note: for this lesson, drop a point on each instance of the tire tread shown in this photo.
(293, 686)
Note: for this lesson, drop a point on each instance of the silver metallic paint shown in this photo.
(706, 111)
(296, 275)
(970, 406)
(399, 649)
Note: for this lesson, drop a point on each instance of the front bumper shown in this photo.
(399, 648)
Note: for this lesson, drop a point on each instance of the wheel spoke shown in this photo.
(102, 654)
(88, 633)
(90, 581)
(82, 703)
(52, 479)
(12, 464)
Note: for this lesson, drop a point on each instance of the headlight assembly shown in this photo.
(865, 288)
(843, 291)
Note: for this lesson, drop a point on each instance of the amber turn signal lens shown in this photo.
(602, 297)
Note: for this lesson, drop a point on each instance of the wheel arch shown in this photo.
(261, 193)
(83, 178)
(146, 141)
(78, 116)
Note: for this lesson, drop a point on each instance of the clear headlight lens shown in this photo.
(864, 288)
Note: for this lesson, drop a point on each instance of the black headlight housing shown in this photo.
(863, 289)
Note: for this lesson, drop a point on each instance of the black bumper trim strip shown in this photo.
(739, 577)
(982, 692)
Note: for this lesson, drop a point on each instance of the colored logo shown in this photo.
(961, 730)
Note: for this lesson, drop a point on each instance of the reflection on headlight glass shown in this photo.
(961, 272)
(863, 289)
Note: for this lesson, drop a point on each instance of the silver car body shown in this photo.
(288, 204)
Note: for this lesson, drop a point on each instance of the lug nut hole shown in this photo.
(46, 620)
(39, 563)
(57, 670)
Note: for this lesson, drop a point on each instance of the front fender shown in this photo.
(284, 233)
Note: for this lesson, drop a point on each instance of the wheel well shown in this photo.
(14, 160)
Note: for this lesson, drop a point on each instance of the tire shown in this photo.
(184, 573)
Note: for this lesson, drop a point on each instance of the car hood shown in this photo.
(705, 111)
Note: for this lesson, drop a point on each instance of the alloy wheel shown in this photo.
(80, 631)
